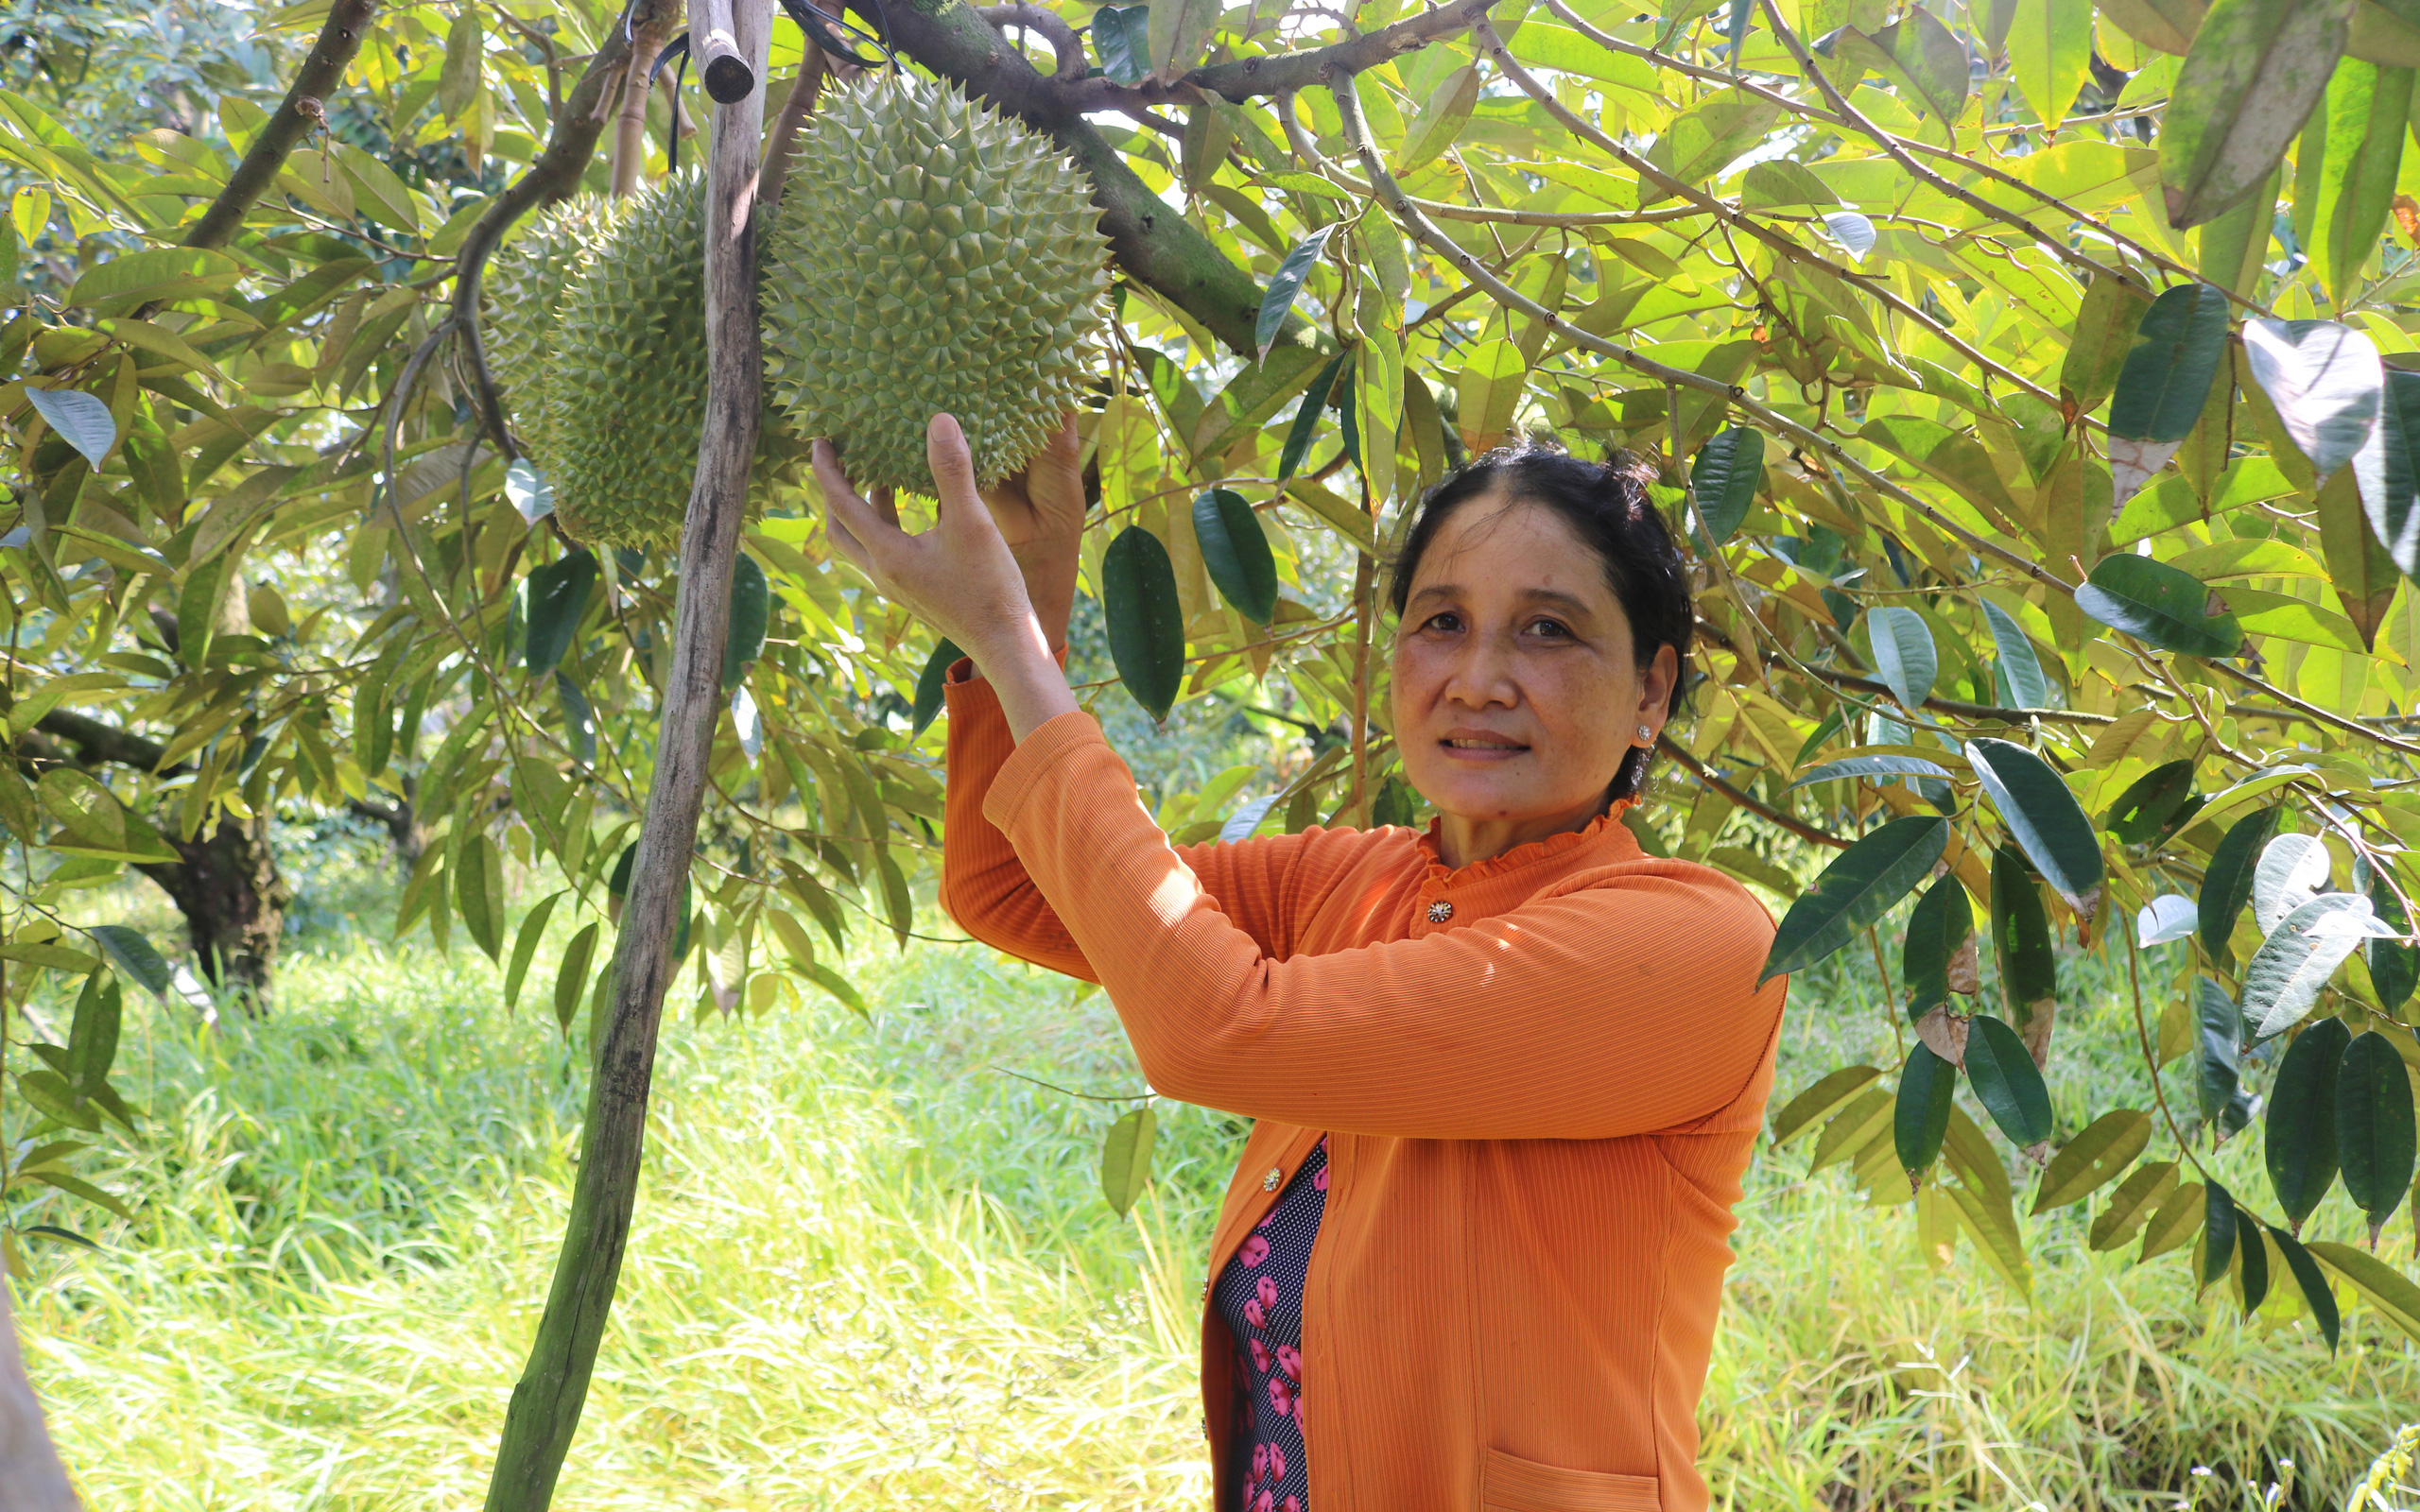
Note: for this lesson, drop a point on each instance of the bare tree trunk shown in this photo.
(234, 899)
(548, 1400)
(31, 1478)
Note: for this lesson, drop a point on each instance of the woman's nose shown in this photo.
(1482, 675)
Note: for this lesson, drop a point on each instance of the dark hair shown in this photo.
(1606, 505)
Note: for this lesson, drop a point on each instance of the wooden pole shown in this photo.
(728, 76)
(546, 1403)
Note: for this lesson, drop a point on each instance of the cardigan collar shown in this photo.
(1604, 835)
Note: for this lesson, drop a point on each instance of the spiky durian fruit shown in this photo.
(524, 293)
(626, 375)
(931, 255)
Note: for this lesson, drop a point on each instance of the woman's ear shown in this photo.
(1655, 685)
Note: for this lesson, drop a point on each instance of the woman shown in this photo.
(1507, 1073)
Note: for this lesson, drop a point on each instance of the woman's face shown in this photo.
(1516, 689)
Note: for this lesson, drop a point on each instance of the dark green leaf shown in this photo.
(1941, 928)
(50, 1093)
(2394, 967)
(2313, 1284)
(2255, 1260)
(2218, 1232)
(1728, 471)
(161, 273)
(1121, 39)
(1904, 653)
(2226, 884)
(134, 956)
(1146, 623)
(2044, 818)
(2167, 373)
(2010, 1084)
(2021, 944)
(571, 974)
(81, 420)
(525, 945)
(558, 598)
(2374, 1127)
(929, 695)
(834, 983)
(751, 607)
(1859, 886)
(2283, 978)
(1126, 1157)
(2142, 812)
(2020, 668)
(2391, 487)
(1285, 285)
(2300, 1139)
(1921, 1115)
(2220, 1065)
(92, 1040)
(2159, 606)
(479, 891)
(1307, 418)
(1235, 552)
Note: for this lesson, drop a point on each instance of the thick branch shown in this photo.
(1246, 76)
(106, 742)
(1066, 49)
(546, 1403)
(783, 145)
(304, 110)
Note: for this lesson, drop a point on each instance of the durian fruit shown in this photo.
(522, 291)
(931, 255)
(625, 373)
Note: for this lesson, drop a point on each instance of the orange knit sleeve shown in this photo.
(1258, 885)
(1623, 1002)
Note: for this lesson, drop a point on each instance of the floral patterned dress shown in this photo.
(1260, 1296)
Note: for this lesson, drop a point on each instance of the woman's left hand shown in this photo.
(959, 577)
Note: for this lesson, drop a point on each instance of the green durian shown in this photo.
(523, 292)
(931, 255)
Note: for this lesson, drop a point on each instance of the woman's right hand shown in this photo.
(1041, 515)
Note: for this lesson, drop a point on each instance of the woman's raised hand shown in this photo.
(977, 575)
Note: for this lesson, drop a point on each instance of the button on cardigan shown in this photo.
(1538, 1102)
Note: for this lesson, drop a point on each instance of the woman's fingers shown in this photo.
(952, 464)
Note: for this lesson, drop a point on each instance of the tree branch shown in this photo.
(796, 107)
(1066, 49)
(303, 110)
(107, 743)
(1958, 709)
(1740, 798)
(1246, 76)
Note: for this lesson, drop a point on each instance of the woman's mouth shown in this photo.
(1481, 744)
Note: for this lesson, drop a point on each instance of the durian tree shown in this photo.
(2035, 386)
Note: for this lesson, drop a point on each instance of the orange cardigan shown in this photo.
(1538, 1108)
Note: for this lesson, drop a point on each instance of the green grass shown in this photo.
(872, 1267)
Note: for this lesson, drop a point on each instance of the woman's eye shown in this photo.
(1553, 630)
(1446, 624)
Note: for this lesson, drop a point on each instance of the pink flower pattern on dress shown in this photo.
(1259, 1294)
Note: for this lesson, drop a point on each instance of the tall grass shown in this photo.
(872, 1267)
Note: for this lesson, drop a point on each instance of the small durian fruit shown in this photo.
(523, 292)
(931, 255)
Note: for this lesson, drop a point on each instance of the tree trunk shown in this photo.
(234, 899)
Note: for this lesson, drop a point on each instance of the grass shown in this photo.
(872, 1267)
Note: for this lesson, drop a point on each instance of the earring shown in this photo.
(1646, 736)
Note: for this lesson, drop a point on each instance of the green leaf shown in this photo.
(2359, 568)
(752, 606)
(2254, 1260)
(2020, 668)
(834, 983)
(2284, 976)
(2323, 379)
(458, 79)
(1146, 623)
(2093, 1158)
(2178, 1219)
(1821, 1101)
(2106, 321)
(1235, 552)
(2374, 1127)
(2146, 809)
(532, 496)
(134, 956)
(160, 273)
(92, 1038)
(2394, 967)
(2008, 1082)
(2050, 50)
(2218, 1232)
(2310, 1281)
(1707, 137)
(1176, 30)
(899, 907)
(2021, 944)
(2219, 1065)
(2138, 1197)
(379, 194)
(1126, 1157)
(1439, 120)
(53, 1095)
(1728, 471)
(76, 1186)
(558, 598)
(2165, 383)
(2044, 818)
(2390, 479)
(1307, 417)
(81, 420)
(2158, 605)
(479, 891)
(525, 945)
(2384, 1287)
(1122, 41)
(1487, 394)
(571, 974)
(2226, 884)
(1777, 183)
(1921, 1115)
(2294, 870)
(2364, 118)
(1872, 766)
(930, 693)
(1859, 886)
(2250, 78)
(2299, 1143)
(1941, 930)
(1278, 302)
(1904, 654)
